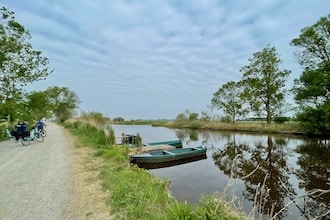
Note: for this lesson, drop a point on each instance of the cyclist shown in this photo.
(20, 129)
(40, 125)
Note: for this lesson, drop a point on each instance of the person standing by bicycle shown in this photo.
(20, 129)
(40, 126)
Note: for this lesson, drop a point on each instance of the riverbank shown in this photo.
(133, 193)
(288, 128)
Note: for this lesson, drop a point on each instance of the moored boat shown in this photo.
(174, 143)
(168, 155)
(150, 166)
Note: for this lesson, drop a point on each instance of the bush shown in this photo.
(281, 119)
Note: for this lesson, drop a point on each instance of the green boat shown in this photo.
(168, 155)
(174, 143)
(131, 140)
(150, 166)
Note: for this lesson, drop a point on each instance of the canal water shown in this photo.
(263, 175)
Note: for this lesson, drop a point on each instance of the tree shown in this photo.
(264, 83)
(19, 63)
(38, 104)
(228, 98)
(312, 89)
(63, 102)
(313, 43)
(193, 116)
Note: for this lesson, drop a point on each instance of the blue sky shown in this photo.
(153, 59)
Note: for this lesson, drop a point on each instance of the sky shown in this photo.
(154, 59)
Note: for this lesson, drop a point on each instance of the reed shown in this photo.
(255, 127)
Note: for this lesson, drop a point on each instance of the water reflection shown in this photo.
(189, 134)
(264, 171)
(277, 176)
(314, 162)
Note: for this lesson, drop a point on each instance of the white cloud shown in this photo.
(123, 58)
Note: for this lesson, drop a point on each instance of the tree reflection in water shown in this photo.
(314, 173)
(264, 172)
(189, 134)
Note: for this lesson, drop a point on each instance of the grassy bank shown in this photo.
(240, 126)
(134, 193)
(249, 126)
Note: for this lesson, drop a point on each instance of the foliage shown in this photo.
(181, 117)
(313, 86)
(193, 116)
(96, 117)
(281, 119)
(38, 104)
(263, 82)
(228, 98)
(313, 44)
(317, 120)
(63, 102)
(312, 89)
(226, 118)
(20, 64)
(187, 116)
(211, 207)
(205, 116)
(118, 119)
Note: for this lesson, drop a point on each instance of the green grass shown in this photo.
(255, 127)
(134, 193)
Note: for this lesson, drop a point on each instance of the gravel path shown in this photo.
(47, 180)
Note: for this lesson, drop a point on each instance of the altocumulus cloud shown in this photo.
(156, 58)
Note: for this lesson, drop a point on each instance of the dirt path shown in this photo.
(50, 180)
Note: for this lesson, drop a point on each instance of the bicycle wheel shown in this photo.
(38, 137)
(25, 141)
(43, 133)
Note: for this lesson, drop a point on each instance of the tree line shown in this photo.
(21, 65)
(261, 90)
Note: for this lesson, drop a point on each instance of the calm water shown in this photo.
(274, 171)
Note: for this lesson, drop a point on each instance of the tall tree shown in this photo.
(312, 89)
(38, 104)
(63, 102)
(264, 83)
(20, 64)
(228, 98)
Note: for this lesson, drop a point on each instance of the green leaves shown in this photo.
(20, 64)
(228, 98)
(260, 91)
(62, 102)
(312, 89)
(313, 44)
(263, 82)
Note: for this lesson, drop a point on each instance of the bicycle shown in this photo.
(33, 136)
(42, 131)
(9, 135)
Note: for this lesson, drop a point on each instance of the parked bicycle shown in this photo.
(28, 136)
(41, 128)
(42, 132)
(9, 135)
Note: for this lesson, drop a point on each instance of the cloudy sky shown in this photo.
(153, 59)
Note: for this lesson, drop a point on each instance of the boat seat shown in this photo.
(168, 152)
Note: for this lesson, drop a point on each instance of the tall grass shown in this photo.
(258, 127)
(134, 193)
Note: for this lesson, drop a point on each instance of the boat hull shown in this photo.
(150, 166)
(174, 143)
(168, 155)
